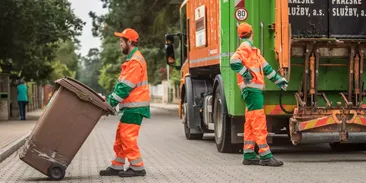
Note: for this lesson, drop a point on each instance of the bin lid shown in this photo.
(85, 93)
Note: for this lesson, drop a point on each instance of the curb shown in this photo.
(13, 147)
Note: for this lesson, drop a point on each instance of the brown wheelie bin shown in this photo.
(67, 121)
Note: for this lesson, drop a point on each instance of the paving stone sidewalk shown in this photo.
(170, 158)
(13, 133)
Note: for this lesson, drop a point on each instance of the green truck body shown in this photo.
(318, 113)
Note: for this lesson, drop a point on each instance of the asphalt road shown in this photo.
(169, 157)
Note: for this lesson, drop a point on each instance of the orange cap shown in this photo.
(128, 34)
(244, 29)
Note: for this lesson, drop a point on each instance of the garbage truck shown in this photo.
(317, 45)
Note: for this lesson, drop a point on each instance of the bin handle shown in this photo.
(82, 84)
(84, 96)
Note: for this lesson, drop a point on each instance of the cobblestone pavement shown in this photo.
(169, 157)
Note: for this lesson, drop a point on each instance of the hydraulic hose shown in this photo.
(282, 108)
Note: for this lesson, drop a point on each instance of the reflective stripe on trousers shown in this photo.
(248, 146)
(255, 130)
(117, 167)
(126, 146)
(118, 163)
(264, 149)
(137, 164)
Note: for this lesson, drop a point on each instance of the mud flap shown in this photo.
(237, 127)
(194, 89)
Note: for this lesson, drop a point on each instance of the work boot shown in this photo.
(270, 162)
(109, 172)
(251, 161)
(132, 173)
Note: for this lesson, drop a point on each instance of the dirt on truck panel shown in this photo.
(328, 18)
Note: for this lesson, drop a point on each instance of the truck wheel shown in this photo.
(222, 125)
(187, 132)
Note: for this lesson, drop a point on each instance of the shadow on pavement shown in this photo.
(67, 178)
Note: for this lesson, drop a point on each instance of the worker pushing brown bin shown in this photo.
(69, 118)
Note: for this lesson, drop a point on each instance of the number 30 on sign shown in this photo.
(241, 14)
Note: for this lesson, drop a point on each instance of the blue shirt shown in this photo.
(22, 92)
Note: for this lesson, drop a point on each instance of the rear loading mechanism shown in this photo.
(345, 123)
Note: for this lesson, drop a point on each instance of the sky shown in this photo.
(81, 9)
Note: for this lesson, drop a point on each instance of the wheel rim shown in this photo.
(219, 124)
(56, 173)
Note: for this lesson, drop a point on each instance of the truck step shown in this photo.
(269, 135)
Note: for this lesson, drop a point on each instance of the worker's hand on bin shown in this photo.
(115, 111)
(111, 101)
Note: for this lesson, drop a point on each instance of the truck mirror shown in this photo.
(169, 50)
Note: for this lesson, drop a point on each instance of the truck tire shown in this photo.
(222, 124)
(187, 131)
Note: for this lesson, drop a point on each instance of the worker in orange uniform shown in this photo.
(251, 68)
(132, 95)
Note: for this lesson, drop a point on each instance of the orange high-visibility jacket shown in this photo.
(249, 63)
(134, 75)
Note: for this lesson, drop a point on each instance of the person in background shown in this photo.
(22, 99)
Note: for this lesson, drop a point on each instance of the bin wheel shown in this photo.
(56, 172)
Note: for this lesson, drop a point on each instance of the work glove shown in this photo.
(111, 101)
(247, 76)
(282, 84)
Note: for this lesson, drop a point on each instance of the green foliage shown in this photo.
(152, 19)
(108, 77)
(31, 30)
(66, 54)
(60, 70)
(65, 62)
(175, 76)
(89, 70)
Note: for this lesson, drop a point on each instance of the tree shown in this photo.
(66, 54)
(152, 22)
(89, 70)
(31, 30)
(65, 62)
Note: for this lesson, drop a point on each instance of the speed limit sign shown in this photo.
(241, 14)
